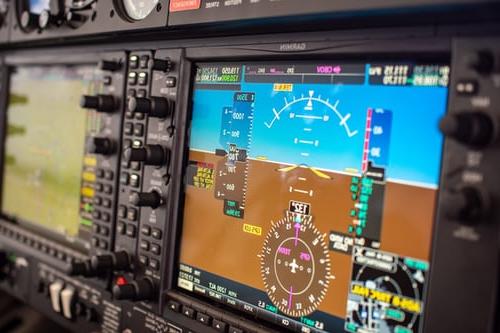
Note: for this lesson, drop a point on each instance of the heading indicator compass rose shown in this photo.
(295, 265)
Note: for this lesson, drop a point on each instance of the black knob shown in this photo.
(146, 199)
(100, 103)
(117, 261)
(75, 20)
(482, 62)
(158, 107)
(110, 65)
(81, 268)
(140, 290)
(150, 155)
(90, 315)
(466, 204)
(101, 146)
(475, 129)
(46, 19)
(28, 20)
(162, 65)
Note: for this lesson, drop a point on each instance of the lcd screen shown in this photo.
(311, 190)
(44, 147)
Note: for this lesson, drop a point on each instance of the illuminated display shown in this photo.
(38, 6)
(44, 148)
(313, 186)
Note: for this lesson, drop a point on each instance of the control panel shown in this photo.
(160, 175)
(34, 19)
(23, 21)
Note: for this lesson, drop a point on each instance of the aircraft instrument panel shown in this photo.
(250, 166)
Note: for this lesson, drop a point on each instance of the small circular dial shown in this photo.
(295, 265)
(139, 9)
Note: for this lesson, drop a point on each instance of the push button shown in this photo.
(144, 260)
(170, 81)
(106, 203)
(133, 62)
(235, 330)
(55, 295)
(122, 211)
(132, 214)
(134, 180)
(156, 233)
(131, 231)
(67, 300)
(124, 178)
(128, 129)
(143, 62)
(155, 249)
(146, 230)
(143, 79)
(174, 306)
(220, 326)
(467, 87)
(154, 264)
(144, 245)
(132, 78)
(120, 228)
(203, 318)
(188, 312)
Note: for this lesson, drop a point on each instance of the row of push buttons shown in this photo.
(203, 318)
(101, 213)
(133, 129)
(150, 248)
(136, 62)
(140, 78)
(42, 245)
(104, 174)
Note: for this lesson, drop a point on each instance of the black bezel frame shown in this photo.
(362, 50)
(76, 243)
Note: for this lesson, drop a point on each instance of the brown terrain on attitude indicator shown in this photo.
(408, 211)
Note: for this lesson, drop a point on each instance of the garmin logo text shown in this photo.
(293, 47)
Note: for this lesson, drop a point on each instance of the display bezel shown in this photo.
(364, 51)
(76, 243)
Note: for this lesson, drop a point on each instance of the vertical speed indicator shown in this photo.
(295, 265)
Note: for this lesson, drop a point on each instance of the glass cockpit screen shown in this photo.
(45, 140)
(311, 191)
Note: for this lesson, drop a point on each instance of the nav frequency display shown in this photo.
(316, 217)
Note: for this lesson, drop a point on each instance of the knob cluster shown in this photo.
(146, 199)
(100, 264)
(101, 146)
(478, 129)
(117, 261)
(474, 129)
(100, 103)
(161, 65)
(149, 155)
(158, 107)
(53, 17)
(484, 62)
(467, 204)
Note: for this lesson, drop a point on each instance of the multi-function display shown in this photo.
(43, 183)
(313, 186)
